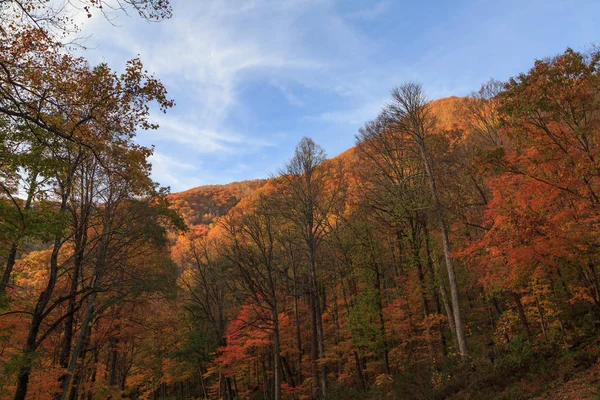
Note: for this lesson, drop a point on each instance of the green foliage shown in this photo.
(197, 346)
(363, 322)
(518, 356)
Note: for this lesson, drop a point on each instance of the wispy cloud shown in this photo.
(288, 93)
(371, 12)
(351, 116)
(251, 78)
(191, 135)
(171, 172)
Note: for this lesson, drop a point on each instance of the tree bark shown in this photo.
(314, 352)
(319, 321)
(456, 312)
(87, 318)
(12, 254)
(277, 368)
(386, 357)
(522, 315)
(65, 353)
(40, 307)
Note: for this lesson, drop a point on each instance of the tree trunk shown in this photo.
(87, 318)
(277, 368)
(522, 315)
(436, 296)
(112, 362)
(444, 296)
(542, 319)
(314, 352)
(98, 272)
(460, 330)
(79, 375)
(337, 329)
(10, 263)
(386, 358)
(65, 353)
(202, 386)
(319, 322)
(40, 307)
(12, 254)
(298, 330)
(359, 371)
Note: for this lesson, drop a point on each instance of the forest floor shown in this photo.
(545, 373)
(550, 374)
(582, 385)
(575, 376)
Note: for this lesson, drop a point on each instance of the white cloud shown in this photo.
(333, 60)
(174, 173)
(192, 135)
(213, 48)
(212, 51)
(288, 94)
(352, 116)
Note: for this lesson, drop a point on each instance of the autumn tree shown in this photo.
(394, 190)
(410, 112)
(257, 257)
(544, 184)
(26, 166)
(112, 125)
(306, 200)
(208, 296)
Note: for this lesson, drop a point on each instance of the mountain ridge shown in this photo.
(202, 205)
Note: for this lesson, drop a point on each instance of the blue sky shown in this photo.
(252, 77)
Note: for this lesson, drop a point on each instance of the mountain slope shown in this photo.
(202, 205)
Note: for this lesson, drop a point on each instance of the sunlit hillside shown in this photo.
(410, 245)
(203, 205)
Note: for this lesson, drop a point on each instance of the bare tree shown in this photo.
(480, 112)
(410, 112)
(257, 258)
(307, 199)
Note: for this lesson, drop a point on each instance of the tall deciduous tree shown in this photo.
(306, 200)
(258, 259)
(410, 112)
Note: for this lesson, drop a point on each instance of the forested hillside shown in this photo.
(440, 257)
(452, 253)
(201, 206)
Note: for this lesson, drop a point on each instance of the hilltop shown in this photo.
(200, 206)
